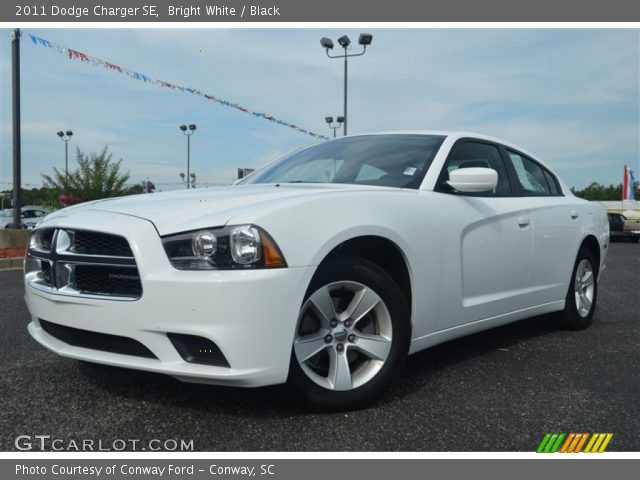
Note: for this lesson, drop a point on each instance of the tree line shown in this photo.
(599, 192)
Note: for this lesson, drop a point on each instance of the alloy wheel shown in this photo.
(584, 287)
(344, 335)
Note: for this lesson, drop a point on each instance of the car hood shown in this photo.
(179, 211)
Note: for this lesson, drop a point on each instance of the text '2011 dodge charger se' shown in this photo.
(322, 270)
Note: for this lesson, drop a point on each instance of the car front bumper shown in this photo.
(249, 314)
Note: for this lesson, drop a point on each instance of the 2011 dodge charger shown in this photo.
(322, 270)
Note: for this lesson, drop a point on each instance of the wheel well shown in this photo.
(591, 244)
(384, 253)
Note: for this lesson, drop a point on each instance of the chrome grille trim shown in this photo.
(63, 261)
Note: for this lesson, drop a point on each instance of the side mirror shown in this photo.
(473, 179)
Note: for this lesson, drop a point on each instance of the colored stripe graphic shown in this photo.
(598, 442)
(568, 442)
(550, 443)
(581, 442)
(573, 442)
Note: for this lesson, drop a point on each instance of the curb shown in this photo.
(11, 263)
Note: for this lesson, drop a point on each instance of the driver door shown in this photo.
(487, 241)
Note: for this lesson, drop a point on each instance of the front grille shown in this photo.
(82, 262)
(96, 341)
(46, 272)
(97, 243)
(95, 279)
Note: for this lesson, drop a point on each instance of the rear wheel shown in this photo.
(352, 336)
(580, 303)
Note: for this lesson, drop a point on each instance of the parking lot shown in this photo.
(494, 391)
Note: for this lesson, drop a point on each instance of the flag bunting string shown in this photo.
(85, 58)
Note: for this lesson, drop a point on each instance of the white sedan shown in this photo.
(322, 270)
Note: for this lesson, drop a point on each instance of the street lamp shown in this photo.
(192, 179)
(188, 131)
(65, 137)
(365, 40)
(329, 120)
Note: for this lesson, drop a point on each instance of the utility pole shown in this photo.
(15, 89)
(344, 124)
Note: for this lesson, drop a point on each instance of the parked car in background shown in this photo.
(623, 227)
(30, 216)
(322, 270)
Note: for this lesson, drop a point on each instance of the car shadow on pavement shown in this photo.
(422, 366)
(273, 401)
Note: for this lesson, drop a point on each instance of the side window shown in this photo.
(530, 175)
(553, 186)
(476, 154)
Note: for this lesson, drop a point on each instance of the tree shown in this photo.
(597, 191)
(97, 176)
(138, 188)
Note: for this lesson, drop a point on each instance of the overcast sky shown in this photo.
(570, 96)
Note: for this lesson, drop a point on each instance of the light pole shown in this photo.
(365, 39)
(191, 178)
(65, 137)
(188, 131)
(329, 120)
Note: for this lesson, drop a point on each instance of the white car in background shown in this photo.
(322, 270)
(30, 216)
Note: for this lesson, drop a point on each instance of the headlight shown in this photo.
(41, 240)
(234, 247)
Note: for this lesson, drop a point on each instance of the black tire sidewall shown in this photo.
(352, 268)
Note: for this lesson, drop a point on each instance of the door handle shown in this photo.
(575, 214)
(524, 221)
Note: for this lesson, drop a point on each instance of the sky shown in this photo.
(571, 96)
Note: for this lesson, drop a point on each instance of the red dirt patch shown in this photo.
(11, 252)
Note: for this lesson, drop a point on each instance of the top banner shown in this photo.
(319, 11)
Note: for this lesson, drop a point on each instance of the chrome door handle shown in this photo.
(575, 214)
(524, 221)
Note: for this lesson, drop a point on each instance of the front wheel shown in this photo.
(580, 303)
(352, 336)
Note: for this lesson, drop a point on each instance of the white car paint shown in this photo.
(474, 262)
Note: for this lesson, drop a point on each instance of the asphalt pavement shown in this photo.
(499, 390)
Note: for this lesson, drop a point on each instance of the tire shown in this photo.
(580, 303)
(347, 361)
(635, 239)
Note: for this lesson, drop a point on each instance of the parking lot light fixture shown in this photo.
(364, 40)
(339, 121)
(188, 131)
(65, 137)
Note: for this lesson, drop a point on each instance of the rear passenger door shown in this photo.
(555, 233)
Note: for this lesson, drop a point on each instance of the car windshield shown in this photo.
(393, 160)
(6, 213)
